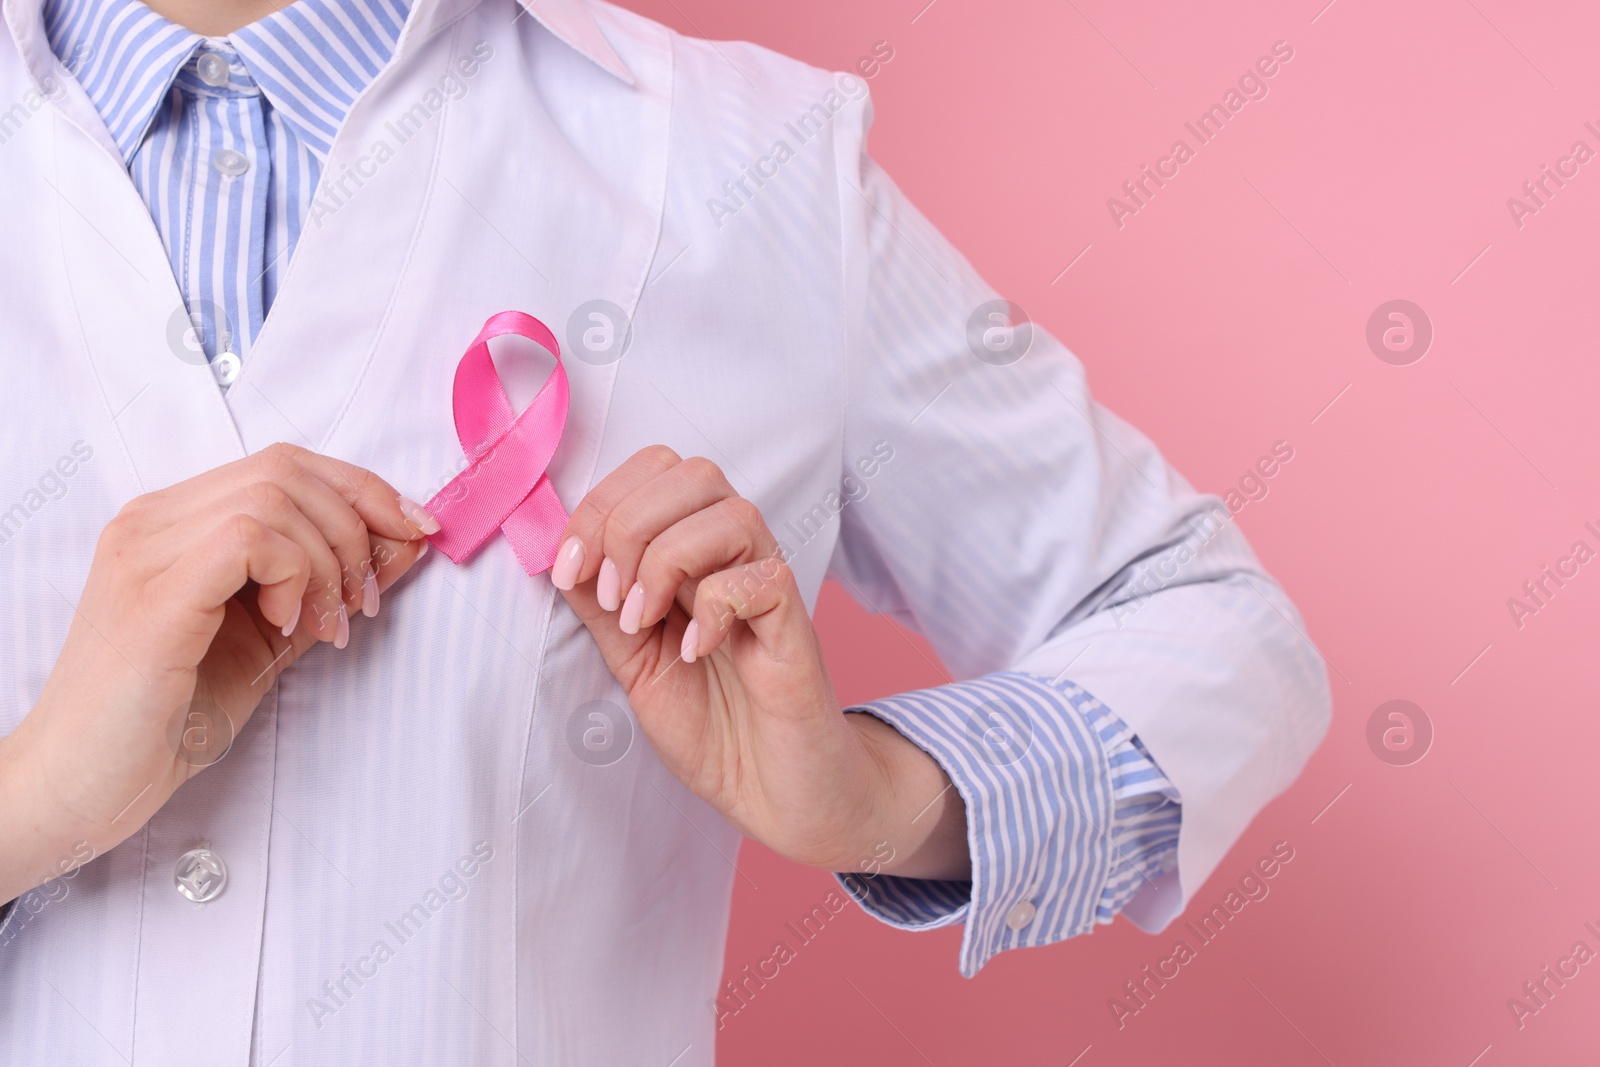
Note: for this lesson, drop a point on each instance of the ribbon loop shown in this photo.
(505, 486)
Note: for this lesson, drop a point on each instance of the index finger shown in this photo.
(378, 503)
(578, 558)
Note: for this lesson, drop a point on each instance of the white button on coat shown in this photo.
(1020, 915)
(200, 875)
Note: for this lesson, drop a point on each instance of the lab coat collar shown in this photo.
(570, 21)
(573, 22)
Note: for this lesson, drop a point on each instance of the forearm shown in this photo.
(39, 839)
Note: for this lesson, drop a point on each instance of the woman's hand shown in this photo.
(682, 586)
(198, 597)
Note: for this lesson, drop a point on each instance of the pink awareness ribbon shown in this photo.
(505, 487)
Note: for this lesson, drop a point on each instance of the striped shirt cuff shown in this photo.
(1144, 828)
(1067, 815)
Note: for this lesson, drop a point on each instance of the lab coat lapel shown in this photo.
(157, 393)
(154, 392)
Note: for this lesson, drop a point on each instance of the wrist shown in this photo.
(916, 823)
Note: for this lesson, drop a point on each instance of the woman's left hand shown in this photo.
(684, 589)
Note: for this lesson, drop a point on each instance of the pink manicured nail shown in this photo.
(341, 629)
(691, 641)
(423, 551)
(369, 593)
(632, 610)
(564, 575)
(419, 516)
(294, 620)
(609, 588)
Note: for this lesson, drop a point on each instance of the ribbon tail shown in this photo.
(534, 528)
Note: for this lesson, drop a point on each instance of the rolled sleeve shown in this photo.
(1066, 815)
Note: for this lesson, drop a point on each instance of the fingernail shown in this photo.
(341, 629)
(632, 610)
(419, 516)
(423, 551)
(369, 592)
(609, 587)
(691, 640)
(564, 575)
(294, 620)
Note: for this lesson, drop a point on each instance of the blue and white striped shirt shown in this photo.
(226, 139)
(1067, 816)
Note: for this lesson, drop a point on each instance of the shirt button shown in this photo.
(200, 875)
(213, 69)
(230, 162)
(1020, 915)
(226, 367)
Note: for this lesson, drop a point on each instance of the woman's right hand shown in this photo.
(198, 597)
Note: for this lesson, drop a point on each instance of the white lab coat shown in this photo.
(784, 334)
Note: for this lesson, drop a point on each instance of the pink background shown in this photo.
(1223, 317)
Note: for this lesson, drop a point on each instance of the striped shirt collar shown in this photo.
(310, 60)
